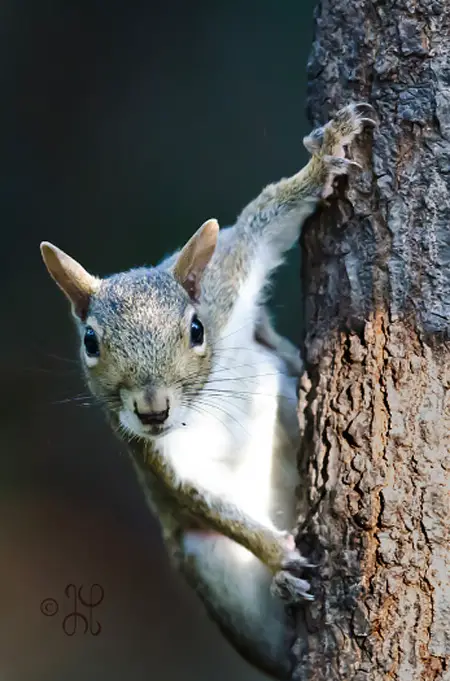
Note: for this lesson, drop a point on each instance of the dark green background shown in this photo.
(124, 126)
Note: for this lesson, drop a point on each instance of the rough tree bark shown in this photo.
(375, 403)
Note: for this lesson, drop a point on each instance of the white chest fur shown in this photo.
(233, 443)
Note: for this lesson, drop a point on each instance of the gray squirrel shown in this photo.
(192, 375)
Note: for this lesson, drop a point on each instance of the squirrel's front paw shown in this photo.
(286, 584)
(341, 130)
(329, 143)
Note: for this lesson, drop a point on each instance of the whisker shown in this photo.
(211, 379)
(42, 370)
(224, 411)
(201, 410)
(250, 321)
(242, 378)
(233, 367)
(63, 359)
(73, 398)
(245, 349)
(219, 369)
(243, 393)
(214, 372)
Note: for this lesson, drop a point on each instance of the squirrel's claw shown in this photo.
(341, 166)
(290, 589)
(347, 124)
(369, 121)
(285, 584)
(338, 135)
(336, 167)
(357, 111)
(292, 560)
(297, 563)
(344, 126)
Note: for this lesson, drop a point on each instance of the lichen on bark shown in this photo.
(374, 404)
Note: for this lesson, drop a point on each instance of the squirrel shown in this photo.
(191, 373)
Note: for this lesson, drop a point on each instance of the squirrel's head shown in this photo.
(146, 342)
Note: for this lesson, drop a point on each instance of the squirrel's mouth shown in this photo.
(133, 425)
(157, 431)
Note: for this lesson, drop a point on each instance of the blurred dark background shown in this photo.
(124, 126)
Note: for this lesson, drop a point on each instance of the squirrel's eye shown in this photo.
(197, 331)
(91, 343)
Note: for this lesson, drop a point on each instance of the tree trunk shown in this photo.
(375, 402)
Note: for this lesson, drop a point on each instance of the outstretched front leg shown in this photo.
(270, 225)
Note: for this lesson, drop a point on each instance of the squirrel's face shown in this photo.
(146, 350)
(145, 342)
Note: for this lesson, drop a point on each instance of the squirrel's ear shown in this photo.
(195, 256)
(77, 284)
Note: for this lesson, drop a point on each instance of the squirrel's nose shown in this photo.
(152, 418)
